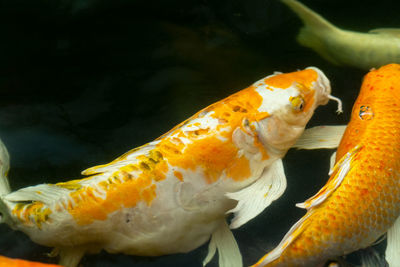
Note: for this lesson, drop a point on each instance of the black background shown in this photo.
(82, 82)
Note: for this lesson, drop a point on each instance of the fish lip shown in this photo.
(322, 87)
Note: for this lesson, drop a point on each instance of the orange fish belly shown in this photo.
(7, 262)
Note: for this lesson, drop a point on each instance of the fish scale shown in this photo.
(367, 201)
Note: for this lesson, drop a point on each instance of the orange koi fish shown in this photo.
(7, 262)
(361, 200)
(171, 195)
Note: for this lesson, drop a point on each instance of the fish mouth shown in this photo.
(323, 90)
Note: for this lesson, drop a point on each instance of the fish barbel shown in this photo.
(361, 200)
(172, 194)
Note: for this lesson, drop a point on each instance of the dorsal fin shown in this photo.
(127, 158)
(45, 193)
(395, 32)
(339, 171)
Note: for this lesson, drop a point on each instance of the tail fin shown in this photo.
(315, 29)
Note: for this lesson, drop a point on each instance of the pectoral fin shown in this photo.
(228, 250)
(70, 257)
(393, 245)
(321, 137)
(339, 171)
(395, 32)
(253, 199)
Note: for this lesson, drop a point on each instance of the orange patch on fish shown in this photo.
(285, 80)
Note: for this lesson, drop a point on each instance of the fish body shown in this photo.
(172, 194)
(361, 200)
(342, 47)
(8, 262)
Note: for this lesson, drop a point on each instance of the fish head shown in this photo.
(377, 103)
(290, 100)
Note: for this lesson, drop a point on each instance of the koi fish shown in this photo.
(7, 262)
(341, 47)
(172, 194)
(361, 200)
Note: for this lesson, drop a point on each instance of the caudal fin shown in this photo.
(315, 31)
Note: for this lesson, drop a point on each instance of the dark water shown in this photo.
(82, 82)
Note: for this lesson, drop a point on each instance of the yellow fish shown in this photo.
(361, 200)
(172, 194)
(341, 47)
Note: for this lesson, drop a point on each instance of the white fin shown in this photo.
(70, 257)
(332, 162)
(395, 32)
(4, 167)
(338, 173)
(45, 193)
(228, 250)
(392, 254)
(321, 137)
(293, 233)
(253, 199)
(127, 158)
(371, 258)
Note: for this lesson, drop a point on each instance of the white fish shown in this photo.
(341, 47)
(171, 195)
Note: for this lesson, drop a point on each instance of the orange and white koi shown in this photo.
(361, 200)
(8, 262)
(172, 194)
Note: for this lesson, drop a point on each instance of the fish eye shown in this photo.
(297, 103)
(366, 113)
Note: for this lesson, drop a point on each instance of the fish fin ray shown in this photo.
(392, 253)
(332, 161)
(45, 193)
(71, 256)
(321, 137)
(228, 250)
(253, 199)
(127, 158)
(291, 235)
(339, 172)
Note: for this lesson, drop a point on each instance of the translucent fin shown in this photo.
(45, 193)
(253, 199)
(228, 250)
(321, 137)
(293, 233)
(392, 253)
(4, 167)
(70, 257)
(127, 158)
(332, 161)
(371, 258)
(339, 172)
(395, 32)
